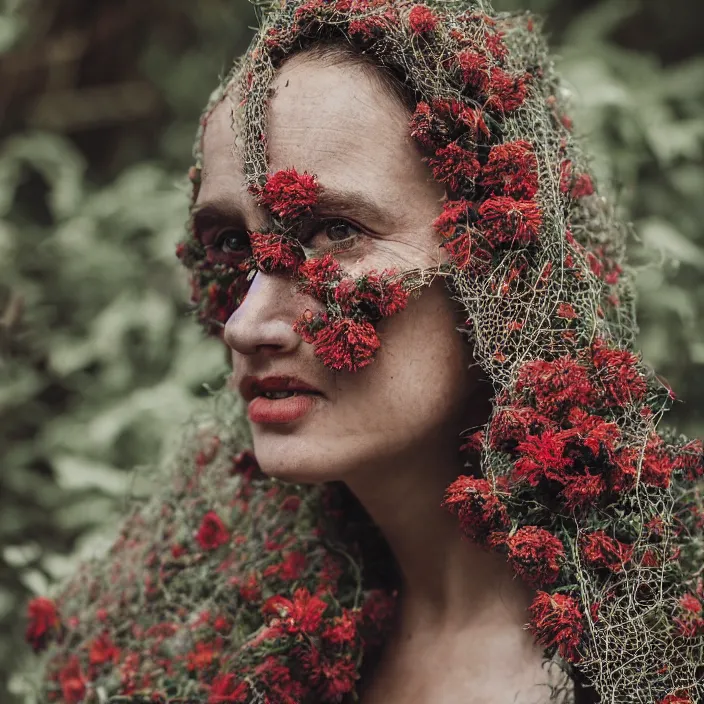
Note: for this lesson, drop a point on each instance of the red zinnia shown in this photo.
(479, 509)
(510, 222)
(103, 650)
(679, 697)
(601, 551)
(581, 491)
(689, 622)
(318, 274)
(212, 532)
(73, 684)
(535, 554)
(378, 295)
(303, 614)
(334, 677)
(512, 169)
(543, 457)
(426, 126)
(557, 386)
(475, 70)
(44, 622)
(422, 19)
(454, 213)
(274, 252)
(227, 689)
(288, 194)
(556, 620)
(345, 344)
(343, 628)
(506, 93)
(202, 657)
(617, 373)
(510, 426)
(455, 166)
(653, 462)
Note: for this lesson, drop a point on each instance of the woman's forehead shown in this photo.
(333, 121)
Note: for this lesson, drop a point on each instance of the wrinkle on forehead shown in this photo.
(337, 122)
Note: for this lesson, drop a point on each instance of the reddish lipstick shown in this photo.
(277, 399)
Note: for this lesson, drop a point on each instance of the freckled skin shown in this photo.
(336, 123)
(391, 430)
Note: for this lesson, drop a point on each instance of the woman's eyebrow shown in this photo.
(217, 212)
(350, 202)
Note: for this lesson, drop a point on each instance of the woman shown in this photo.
(394, 235)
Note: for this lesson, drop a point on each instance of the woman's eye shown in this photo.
(231, 242)
(333, 235)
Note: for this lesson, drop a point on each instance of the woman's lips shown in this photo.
(280, 410)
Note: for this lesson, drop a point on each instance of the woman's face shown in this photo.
(376, 211)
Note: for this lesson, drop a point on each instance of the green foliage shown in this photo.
(98, 360)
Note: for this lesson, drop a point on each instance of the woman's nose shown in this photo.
(264, 320)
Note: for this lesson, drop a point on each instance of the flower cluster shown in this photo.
(233, 596)
(343, 336)
(591, 505)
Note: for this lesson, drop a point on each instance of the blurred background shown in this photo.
(99, 362)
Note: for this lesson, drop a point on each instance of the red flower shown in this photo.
(617, 374)
(567, 311)
(543, 457)
(454, 214)
(422, 20)
(274, 252)
(249, 588)
(510, 426)
(582, 187)
(303, 614)
(603, 552)
(506, 93)
(343, 629)
(512, 170)
(678, 697)
(475, 70)
(689, 623)
(73, 684)
(44, 622)
(374, 295)
(333, 677)
(212, 532)
(227, 689)
(535, 554)
(318, 274)
(652, 462)
(202, 658)
(581, 491)
(291, 568)
(594, 433)
(427, 127)
(479, 509)
(288, 194)
(345, 344)
(473, 121)
(369, 27)
(103, 650)
(690, 460)
(556, 621)
(557, 386)
(455, 166)
(495, 45)
(510, 222)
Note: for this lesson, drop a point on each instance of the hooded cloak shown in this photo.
(232, 587)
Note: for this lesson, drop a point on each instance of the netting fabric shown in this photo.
(591, 504)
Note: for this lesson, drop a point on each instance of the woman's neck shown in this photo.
(452, 591)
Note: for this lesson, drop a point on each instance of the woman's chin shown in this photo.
(278, 460)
